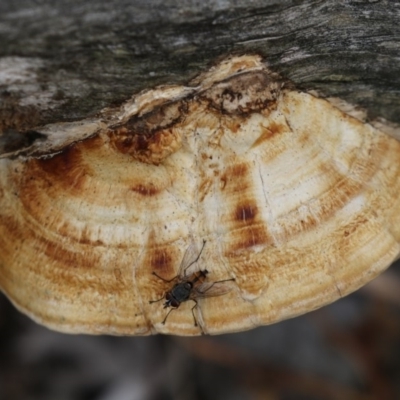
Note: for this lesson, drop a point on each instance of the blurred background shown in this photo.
(348, 350)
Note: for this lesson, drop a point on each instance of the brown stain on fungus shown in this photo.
(150, 148)
(239, 170)
(69, 166)
(233, 125)
(268, 132)
(67, 169)
(250, 236)
(61, 164)
(152, 137)
(246, 212)
(161, 262)
(234, 175)
(146, 190)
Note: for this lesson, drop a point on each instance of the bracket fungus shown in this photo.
(297, 200)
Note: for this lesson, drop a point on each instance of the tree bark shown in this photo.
(64, 62)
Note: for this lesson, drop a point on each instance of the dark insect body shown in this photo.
(182, 291)
(190, 287)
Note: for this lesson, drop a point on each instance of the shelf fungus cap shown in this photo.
(232, 202)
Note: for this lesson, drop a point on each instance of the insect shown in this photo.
(190, 287)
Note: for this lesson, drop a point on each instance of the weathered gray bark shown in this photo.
(62, 61)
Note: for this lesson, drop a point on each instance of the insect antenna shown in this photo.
(156, 301)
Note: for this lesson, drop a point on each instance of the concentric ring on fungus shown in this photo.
(297, 201)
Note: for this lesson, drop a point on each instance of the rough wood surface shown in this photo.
(63, 61)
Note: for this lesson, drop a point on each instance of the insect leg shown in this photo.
(169, 312)
(194, 317)
(165, 280)
(197, 259)
(209, 287)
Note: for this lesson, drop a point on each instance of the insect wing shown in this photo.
(212, 289)
(190, 257)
